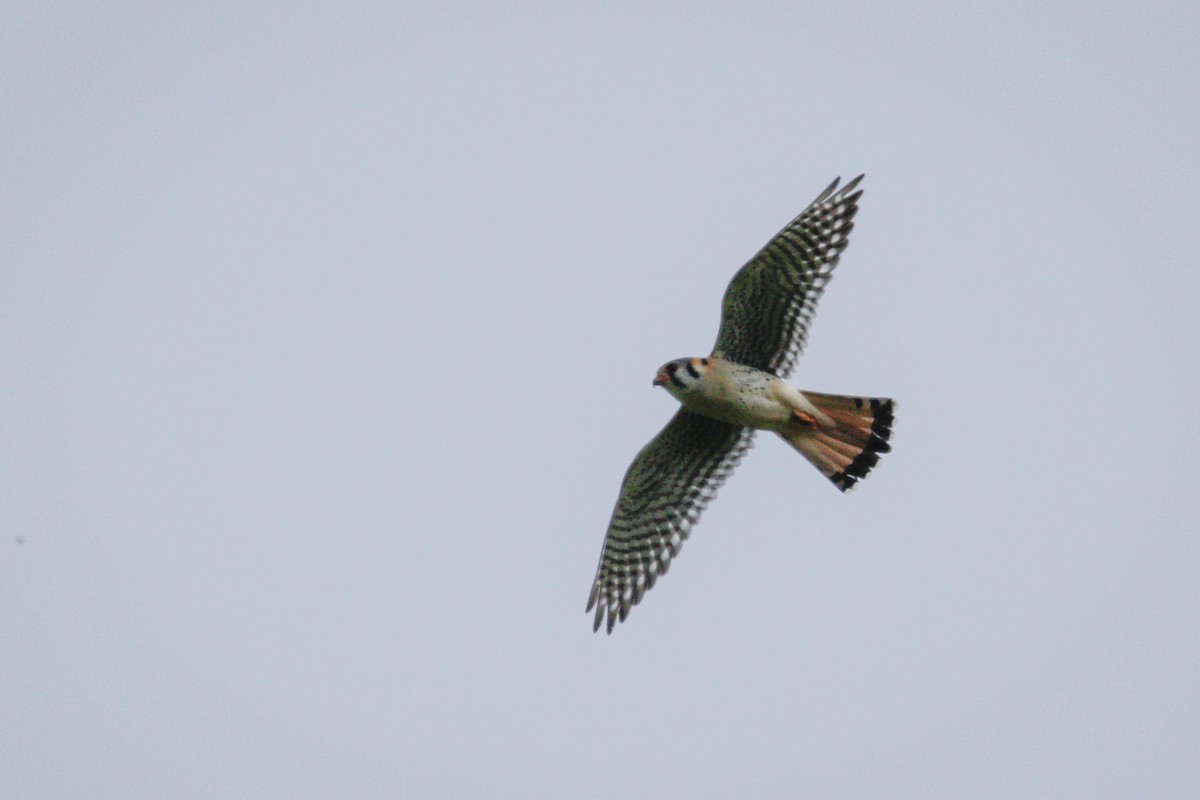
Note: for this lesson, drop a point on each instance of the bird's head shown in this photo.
(681, 375)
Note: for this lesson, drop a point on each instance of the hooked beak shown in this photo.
(658, 380)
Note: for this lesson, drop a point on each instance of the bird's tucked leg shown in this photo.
(804, 419)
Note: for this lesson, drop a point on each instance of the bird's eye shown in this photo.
(672, 368)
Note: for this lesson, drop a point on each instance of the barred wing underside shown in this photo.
(667, 486)
(771, 300)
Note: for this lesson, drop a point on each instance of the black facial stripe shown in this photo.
(692, 371)
(675, 380)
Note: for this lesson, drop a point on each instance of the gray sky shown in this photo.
(327, 335)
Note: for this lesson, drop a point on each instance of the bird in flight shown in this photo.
(739, 389)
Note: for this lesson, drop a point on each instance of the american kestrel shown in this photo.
(735, 391)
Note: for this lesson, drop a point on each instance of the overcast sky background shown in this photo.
(327, 335)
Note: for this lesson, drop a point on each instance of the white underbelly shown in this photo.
(754, 405)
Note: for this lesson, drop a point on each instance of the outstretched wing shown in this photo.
(667, 486)
(771, 300)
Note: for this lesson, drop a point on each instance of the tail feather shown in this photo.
(849, 448)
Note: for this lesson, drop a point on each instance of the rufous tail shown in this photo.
(847, 450)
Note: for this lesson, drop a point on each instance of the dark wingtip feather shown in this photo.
(828, 192)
